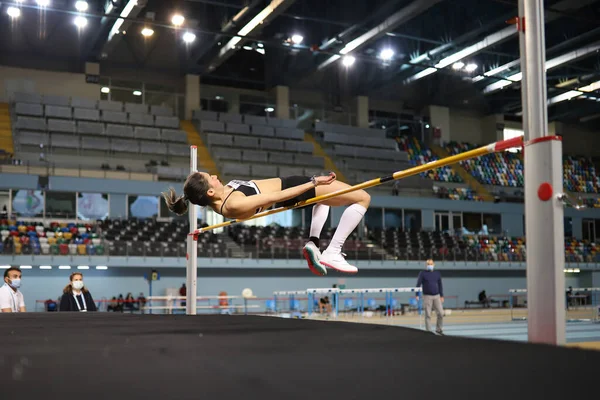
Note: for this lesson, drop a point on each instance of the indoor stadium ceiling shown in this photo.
(403, 50)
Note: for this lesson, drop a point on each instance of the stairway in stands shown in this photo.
(464, 174)
(205, 161)
(6, 139)
(329, 164)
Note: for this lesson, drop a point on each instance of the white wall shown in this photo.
(40, 287)
(45, 82)
(465, 127)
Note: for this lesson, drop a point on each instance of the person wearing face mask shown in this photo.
(11, 298)
(76, 297)
(433, 295)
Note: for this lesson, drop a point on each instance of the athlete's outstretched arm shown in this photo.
(243, 205)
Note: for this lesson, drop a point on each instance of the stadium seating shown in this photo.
(246, 146)
(419, 153)
(80, 125)
(456, 194)
(580, 175)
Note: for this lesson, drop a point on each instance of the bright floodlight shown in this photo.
(137, 93)
(269, 109)
(189, 37)
(81, 6)
(348, 61)
(297, 39)
(43, 3)
(458, 65)
(80, 22)
(105, 90)
(13, 12)
(177, 20)
(471, 67)
(147, 32)
(386, 54)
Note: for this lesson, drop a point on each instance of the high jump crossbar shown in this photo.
(481, 151)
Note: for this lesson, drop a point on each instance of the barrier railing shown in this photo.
(581, 304)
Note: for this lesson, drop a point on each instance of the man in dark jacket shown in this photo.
(433, 295)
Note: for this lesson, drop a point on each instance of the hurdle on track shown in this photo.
(192, 261)
(581, 312)
(173, 303)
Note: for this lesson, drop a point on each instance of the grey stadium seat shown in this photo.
(212, 126)
(232, 127)
(141, 132)
(32, 138)
(311, 161)
(86, 114)
(166, 122)
(173, 135)
(119, 130)
(64, 141)
(37, 124)
(264, 171)
(106, 105)
(125, 145)
(141, 119)
(202, 115)
(177, 149)
(59, 112)
(254, 156)
(230, 117)
(161, 110)
(220, 140)
(281, 158)
(255, 120)
(79, 102)
(287, 133)
(225, 153)
(302, 147)
(136, 108)
(94, 143)
(36, 110)
(246, 142)
(290, 171)
(147, 147)
(56, 100)
(61, 125)
(271, 144)
(90, 128)
(114, 116)
(235, 169)
(22, 97)
(259, 130)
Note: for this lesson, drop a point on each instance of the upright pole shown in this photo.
(192, 246)
(543, 182)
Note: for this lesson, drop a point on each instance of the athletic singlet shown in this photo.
(247, 187)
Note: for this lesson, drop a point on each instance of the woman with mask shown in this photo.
(76, 297)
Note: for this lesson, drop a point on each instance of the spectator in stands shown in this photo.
(141, 302)
(11, 298)
(242, 199)
(433, 295)
(325, 304)
(76, 297)
(183, 293)
(130, 302)
(483, 299)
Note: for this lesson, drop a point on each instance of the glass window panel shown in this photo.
(125, 95)
(374, 218)
(92, 206)
(28, 203)
(493, 223)
(60, 205)
(142, 206)
(392, 218)
(4, 203)
(412, 220)
(472, 222)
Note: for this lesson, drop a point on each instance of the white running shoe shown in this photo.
(312, 254)
(337, 262)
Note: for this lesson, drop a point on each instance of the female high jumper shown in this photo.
(240, 199)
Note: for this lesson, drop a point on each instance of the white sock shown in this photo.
(320, 212)
(349, 221)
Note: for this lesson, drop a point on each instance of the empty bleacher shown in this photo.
(245, 146)
(88, 127)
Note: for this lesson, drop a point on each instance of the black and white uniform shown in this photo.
(249, 188)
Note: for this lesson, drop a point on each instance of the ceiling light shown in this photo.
(348, 61)
(103, 267)
(260, 45)
(189, 37)
(426, 126)
(80, 22)
(297, 39)
(81, 6)
(26, 267)
(247, 47)
(64, 267)
(105, 90)
(43, 3)
(261, 51)
(13, 12)
(386, 54)
(137, 93)
(219, 97)
(458, 65)
(45, 267)
(83, 267)
(591, 87)
(471, 67)
(269, 109)
(177, 20)
(4, 266)
(147, 32)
